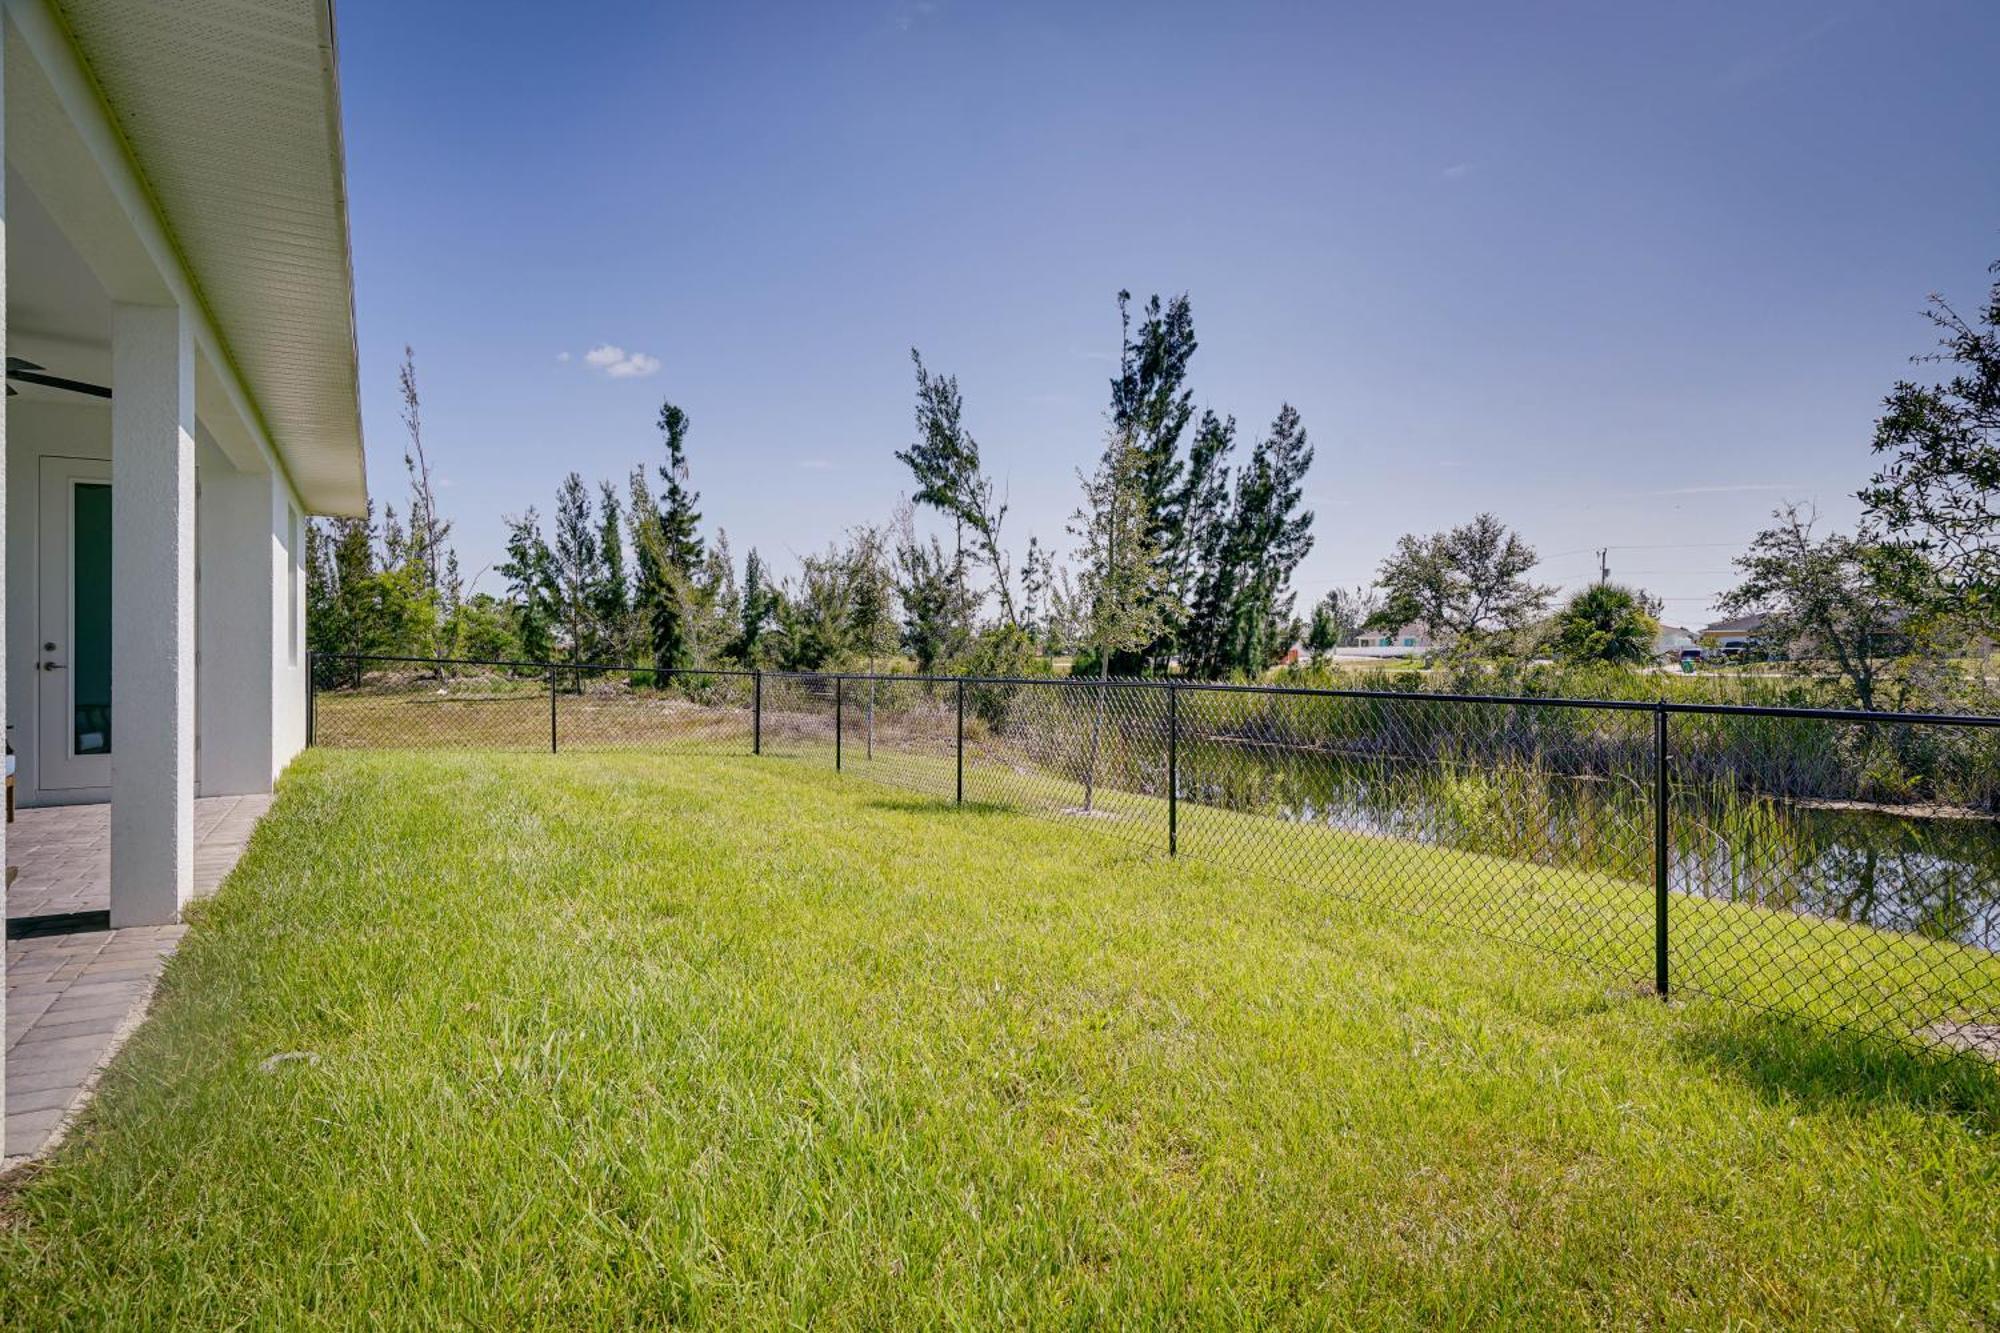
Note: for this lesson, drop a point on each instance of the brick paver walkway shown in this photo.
(73, 998)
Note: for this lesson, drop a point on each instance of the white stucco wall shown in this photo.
(233, 616)
(252, 624)
(288, 621)
(289, 617)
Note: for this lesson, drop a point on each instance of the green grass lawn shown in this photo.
(644, 1039)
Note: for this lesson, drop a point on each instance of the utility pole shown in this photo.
(1604, 564)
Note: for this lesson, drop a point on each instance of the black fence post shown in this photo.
(1661, 800)
(1173, 770)
(312, 697)
(552, 707)
(839, 696)
(960, 798)
(757, 712)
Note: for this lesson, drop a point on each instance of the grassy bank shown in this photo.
(647, 1039)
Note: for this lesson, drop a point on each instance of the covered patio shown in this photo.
(176, 300)
(75, 986)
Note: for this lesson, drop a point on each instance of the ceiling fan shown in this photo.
(27, 372)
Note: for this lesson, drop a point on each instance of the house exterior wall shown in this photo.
(250, 678)
(286, 589)
(233, 624)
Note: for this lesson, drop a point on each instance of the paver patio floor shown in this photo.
(73, 994)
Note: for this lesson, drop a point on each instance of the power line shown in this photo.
(1655, 546)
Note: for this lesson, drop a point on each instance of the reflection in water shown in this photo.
(1919, 873)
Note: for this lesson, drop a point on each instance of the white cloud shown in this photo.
(1457, 171)
(619, 364)
(562, 358)
(637, 364)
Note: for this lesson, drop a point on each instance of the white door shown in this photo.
(73, 636)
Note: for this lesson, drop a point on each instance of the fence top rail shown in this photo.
(1843, 715)
(542, 666)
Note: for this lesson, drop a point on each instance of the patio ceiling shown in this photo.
(230, 114)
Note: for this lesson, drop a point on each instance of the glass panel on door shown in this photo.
(90, 653)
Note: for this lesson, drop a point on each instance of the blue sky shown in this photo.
(1626, 275)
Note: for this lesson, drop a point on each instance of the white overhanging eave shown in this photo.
(226, 116)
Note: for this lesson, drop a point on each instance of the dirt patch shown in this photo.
(1980, 1039)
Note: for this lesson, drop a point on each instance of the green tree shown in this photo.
(932, 595)
(668, 553)
(339, 555)
(1213, 576)
(820, 613)
(1269, 535)
(1038, 589)
(758, 614)
(649, 559)
(361, 600)
(484, 629)
(1605, 623)
(1937, 495)
(1465, 585)
(1120, 603)
(530, 571)
(872, 597)
(422, 550)
(1202, 509)
(1339, 616)
(717, 602)
(944, 462)
(1827, 602)
(428, 532)
(577, 569)
(611, 596)
(929, 595)
(1151, 401)
(680, 521)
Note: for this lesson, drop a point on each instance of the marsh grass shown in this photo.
(643, 1039)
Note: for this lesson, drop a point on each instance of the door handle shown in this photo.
(52, 666)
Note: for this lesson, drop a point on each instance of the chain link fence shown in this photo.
(1838, 867)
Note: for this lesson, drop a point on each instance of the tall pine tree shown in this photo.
(530, 571)
(611, 597)
(576, 568)
(1269, 535)
(1151, 406)
(680, 521)
(944, 462)
(668, 550)
(758, 614)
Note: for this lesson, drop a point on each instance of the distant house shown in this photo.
(1740, 637)
(1675, 644)
(1411, 640)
